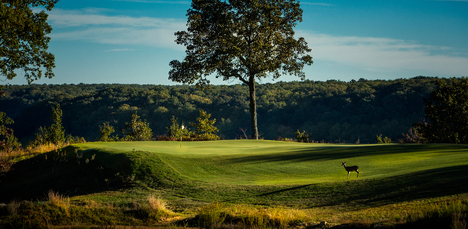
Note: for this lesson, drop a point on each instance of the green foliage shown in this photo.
(447, 112)
(55, 134)
(137, 130)
(204, 127)
(243, 40)
(302, 137)
(105, 131)
(23, 35)
(328, 110)
(385, 140)
(178, 132)
(8, 141)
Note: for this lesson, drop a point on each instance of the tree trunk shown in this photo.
(253, 108)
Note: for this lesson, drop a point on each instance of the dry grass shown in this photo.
(158, 209)
(8, 159)
(157, 204)
(248, 216)
(55, 199)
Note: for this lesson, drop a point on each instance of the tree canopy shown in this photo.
(447, 112)
(23, 39)
(244, 40)
(330, 111)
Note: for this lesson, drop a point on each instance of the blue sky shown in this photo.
(132, 41)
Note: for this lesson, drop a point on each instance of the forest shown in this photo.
(330, 111)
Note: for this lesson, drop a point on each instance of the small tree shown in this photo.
(137, 130)
(302, 137)
(56, 131)
(204, 128)
(55, 134)
(176, 131)
(105, 131)
(8, 142)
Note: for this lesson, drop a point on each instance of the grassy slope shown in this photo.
(394, 178)
(243, 162)
(190, 174)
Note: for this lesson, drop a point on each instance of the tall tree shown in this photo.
(447, 112)
(244, 40)
(23, 39)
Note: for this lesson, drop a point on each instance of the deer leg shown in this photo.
(348, 174)
(357, 174)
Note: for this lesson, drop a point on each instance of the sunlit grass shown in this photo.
(255, 183)
(281, 163)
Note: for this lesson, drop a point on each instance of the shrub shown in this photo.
(178, 132)
(105, 131)
(302, 137)
(204, 128)
(137, 130)
(385, 140)
(8, 142)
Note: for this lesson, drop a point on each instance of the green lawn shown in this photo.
(115, 178)
(244, 162)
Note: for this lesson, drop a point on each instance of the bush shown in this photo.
(178, 132)
(137, 130)
(8, 142)
(105, 131)
(204, 128)
(385, 140)
(302, 137)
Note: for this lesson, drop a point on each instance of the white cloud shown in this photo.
(366, 53)
(91, 26)
(71, 18)
(384, 54)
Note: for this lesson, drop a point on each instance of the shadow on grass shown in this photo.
(72, 173)
(361, 193)
(332, 152)
(63, 171)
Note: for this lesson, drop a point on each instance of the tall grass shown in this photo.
(158, 208)
(55, 199)
(218, 215)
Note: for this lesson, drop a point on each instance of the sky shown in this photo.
(132, 41)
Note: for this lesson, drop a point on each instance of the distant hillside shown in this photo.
(332, 111)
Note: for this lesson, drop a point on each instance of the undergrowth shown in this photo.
(59, 211)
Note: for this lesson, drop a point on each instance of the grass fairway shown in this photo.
(244, 162)
(395, 182)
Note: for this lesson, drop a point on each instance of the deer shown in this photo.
(350, 169)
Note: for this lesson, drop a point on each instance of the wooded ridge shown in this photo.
(331, 111)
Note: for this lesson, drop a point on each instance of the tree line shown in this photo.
(329, 111)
